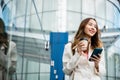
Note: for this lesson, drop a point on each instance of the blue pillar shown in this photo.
(6, 13)
(57, 42)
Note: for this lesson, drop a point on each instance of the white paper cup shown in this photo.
(85, 42)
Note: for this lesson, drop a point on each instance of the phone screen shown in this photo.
(96, 51)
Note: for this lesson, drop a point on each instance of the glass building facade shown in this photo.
(30, 22)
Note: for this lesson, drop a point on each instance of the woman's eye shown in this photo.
(90, 24)
(95, 26)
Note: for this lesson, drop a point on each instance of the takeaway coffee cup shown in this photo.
(85, 42)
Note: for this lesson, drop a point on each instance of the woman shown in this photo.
(76, 62)
(8, 54)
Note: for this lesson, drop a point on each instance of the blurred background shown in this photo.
(32, 24)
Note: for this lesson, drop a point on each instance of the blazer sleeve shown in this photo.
(3, 59)
(69, 60)
(13, 55)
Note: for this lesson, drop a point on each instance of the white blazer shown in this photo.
(78, 67)
(12, 54)
(8, 60)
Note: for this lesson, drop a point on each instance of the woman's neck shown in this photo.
(89, 38)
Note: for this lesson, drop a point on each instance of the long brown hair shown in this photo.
(95, 40)
(3, 36)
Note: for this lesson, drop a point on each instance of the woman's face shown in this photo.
(91, 28)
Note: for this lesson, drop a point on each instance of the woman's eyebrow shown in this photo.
(92, 23)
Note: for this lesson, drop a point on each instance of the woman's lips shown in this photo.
(92, 31)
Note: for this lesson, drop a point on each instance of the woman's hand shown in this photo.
(96, 60)
(79, 47)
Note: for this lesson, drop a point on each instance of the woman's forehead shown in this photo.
(92, 21)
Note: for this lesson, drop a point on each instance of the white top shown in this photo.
(78, 67)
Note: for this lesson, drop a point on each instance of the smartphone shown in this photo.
(96, 51)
